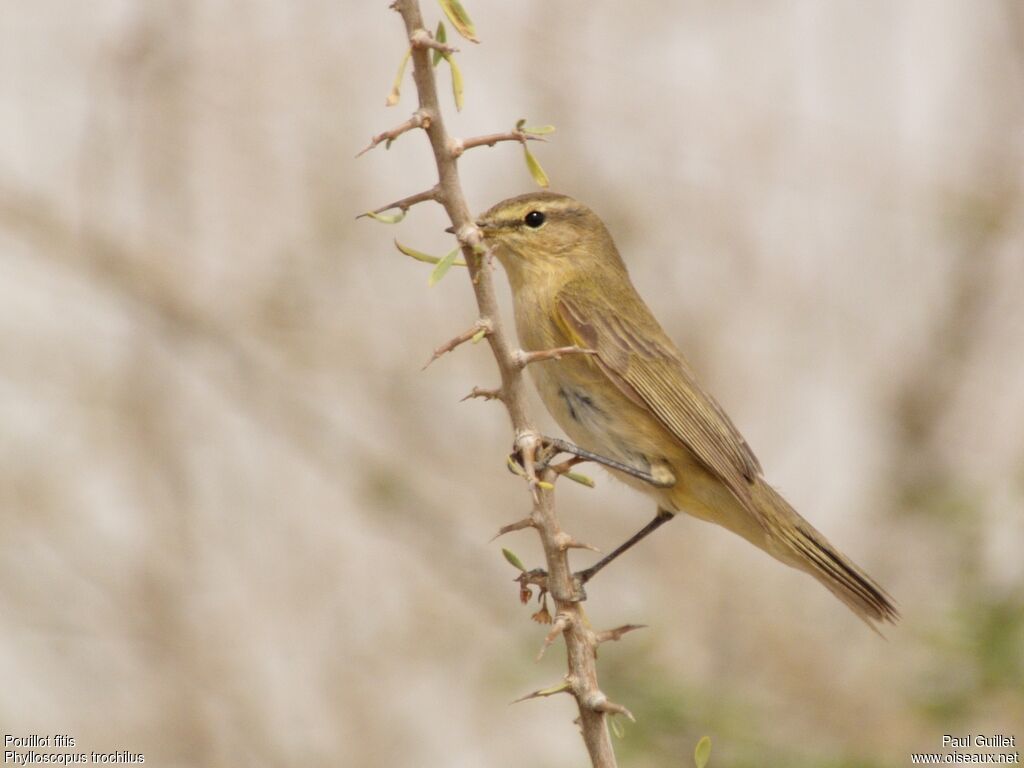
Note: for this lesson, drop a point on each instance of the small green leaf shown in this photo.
(456, 82)
(514, 561)
(533, 130)
(515, 467)
(702, 752)
(420, 256)
(537, 130)
(535, 170)
(442, 37)
(442, 267)
(386, 218)
(396, 88)
(582, 479)
(617, 727)
(479, 335)
(545, 485)
(459, 18)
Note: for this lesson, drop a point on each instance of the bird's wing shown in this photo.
(644, 364)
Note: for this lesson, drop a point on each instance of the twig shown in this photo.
(524, 358)
(580, 641)
(419, 119)
(478, 330)
(434, 193)
(458, 146)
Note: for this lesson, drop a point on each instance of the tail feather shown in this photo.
(807, 549)
(843, 578)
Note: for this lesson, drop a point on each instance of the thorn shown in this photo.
(598, 702)
(485, 394)
(562, 622)
(617, 633)
(522, 358)
(518, 525)
(565, 542)
(560, 688)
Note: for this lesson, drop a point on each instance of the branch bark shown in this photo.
(580, 639)
(419, 119)
(459, 146)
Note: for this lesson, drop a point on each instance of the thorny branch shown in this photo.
(477, 331)
(458, 146)
(419, 119)
(434, 193)
(523, 358)
(484, 394)
(572, 624)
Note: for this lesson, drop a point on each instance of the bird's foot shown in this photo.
(658, 475)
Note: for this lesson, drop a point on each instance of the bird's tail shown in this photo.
(796, 542)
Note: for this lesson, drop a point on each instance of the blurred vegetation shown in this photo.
(240, 525)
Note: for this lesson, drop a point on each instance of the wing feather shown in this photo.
(641, 360)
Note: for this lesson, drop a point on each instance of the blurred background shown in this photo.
(241, 526)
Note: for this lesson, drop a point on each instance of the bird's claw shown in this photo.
(547, 451)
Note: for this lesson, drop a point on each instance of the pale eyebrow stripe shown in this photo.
(553, 208)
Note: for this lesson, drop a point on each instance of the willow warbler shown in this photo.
(636, 400)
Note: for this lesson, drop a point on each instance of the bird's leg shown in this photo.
(554, 446)
(659, 520)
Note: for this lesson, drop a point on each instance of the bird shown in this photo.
(634, 401)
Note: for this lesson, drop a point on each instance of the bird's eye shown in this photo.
(534, 219)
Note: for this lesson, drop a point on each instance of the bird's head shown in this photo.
(546, 233)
